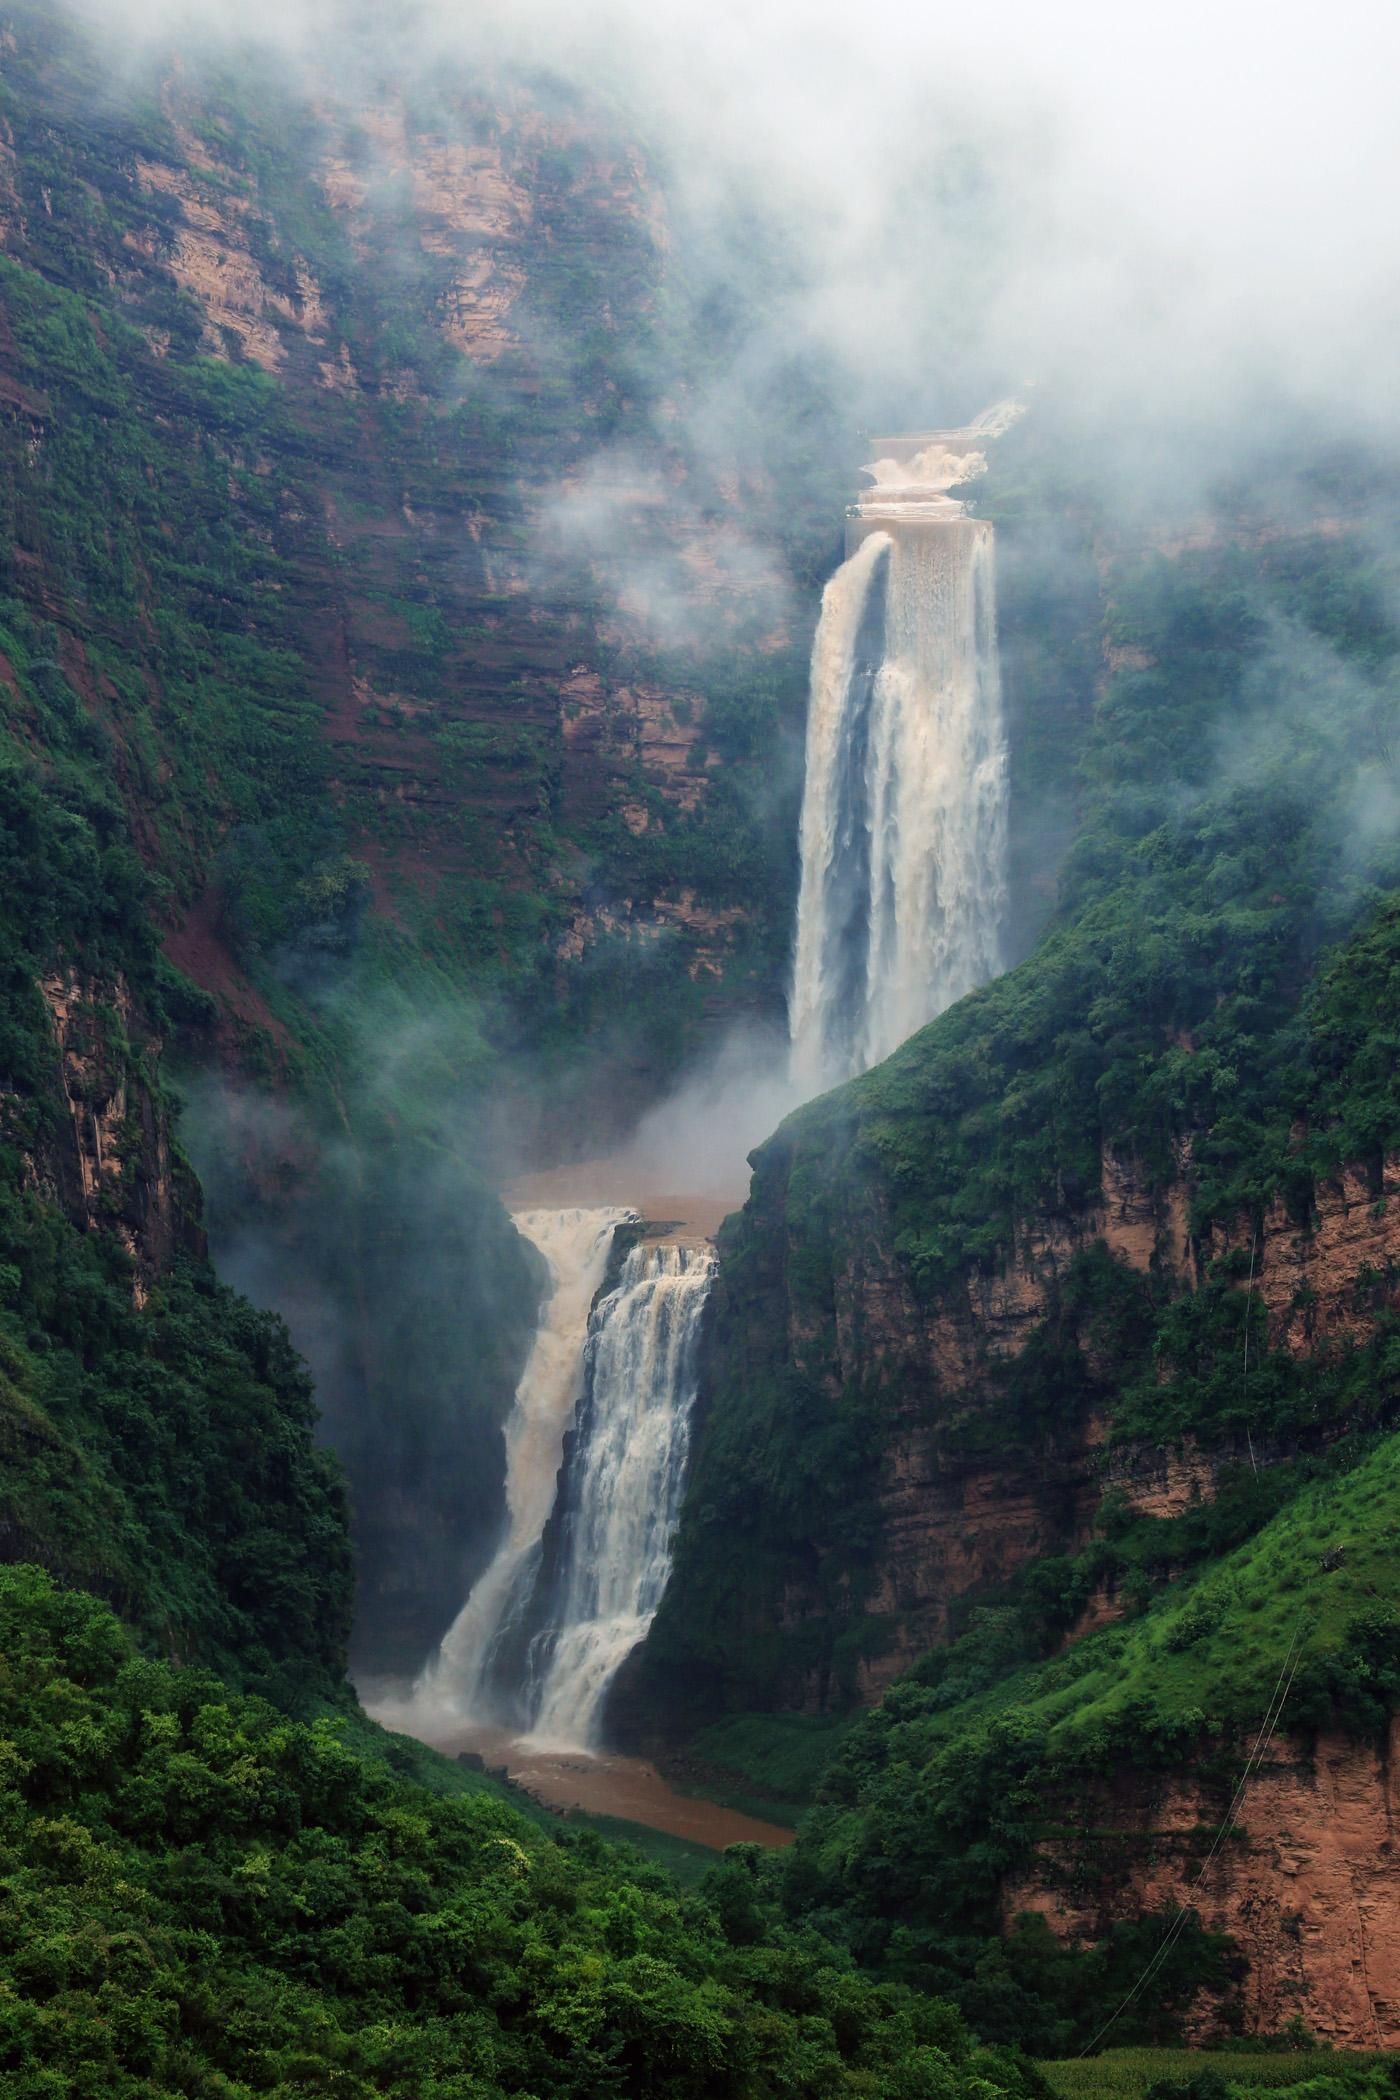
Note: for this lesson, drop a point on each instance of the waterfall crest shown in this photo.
(904, 822)
(575, 1244)
(634, 1440)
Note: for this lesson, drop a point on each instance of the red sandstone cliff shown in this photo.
(472, 565)
(1305, 1885)
(958, 1516)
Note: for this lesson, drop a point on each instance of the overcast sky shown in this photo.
(1194, 205)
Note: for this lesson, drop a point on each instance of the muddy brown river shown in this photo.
(609, 1784)
(613, 1785)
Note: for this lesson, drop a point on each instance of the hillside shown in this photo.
(203, 1897)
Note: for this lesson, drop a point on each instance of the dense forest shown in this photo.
(403, 668)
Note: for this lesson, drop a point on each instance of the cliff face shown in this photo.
(446, 487)
(961, 1487)
(1304, 1885)
(951, 1529)
(108, 1162)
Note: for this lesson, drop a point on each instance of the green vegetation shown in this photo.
(974, 1740)
(198, 1896)
(1202, 2074)
(163, 1457)
(767, 1764)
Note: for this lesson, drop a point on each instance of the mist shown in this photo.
(1163, 218)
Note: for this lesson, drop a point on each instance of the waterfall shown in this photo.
(829, 963)
(575, 1245)
(634, 1440)
(903, 843)
(936, 784)
(903, 851)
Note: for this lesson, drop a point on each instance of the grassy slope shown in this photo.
(1127, 2074)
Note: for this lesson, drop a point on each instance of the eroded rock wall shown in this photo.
(973, 1467)
(1304, 1884)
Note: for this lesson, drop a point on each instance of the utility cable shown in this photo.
(1267, 1731)
(1174, 1929)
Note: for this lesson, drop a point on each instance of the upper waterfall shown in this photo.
(904, 821)
(830, 962)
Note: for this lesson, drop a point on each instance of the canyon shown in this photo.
(824, 1127)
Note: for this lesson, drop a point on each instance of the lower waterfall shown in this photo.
(576, 1244)
(628, 1479)
(596, 1449)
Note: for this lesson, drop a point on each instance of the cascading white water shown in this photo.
(641, 1380)
(903, 845)
(832, 899)
(576, 1245)
(936, 785)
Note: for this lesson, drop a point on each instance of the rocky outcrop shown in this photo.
(961, 1505)
(1325, 1279)
(109, 1163)
(1304, 1883)
(209, 254)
